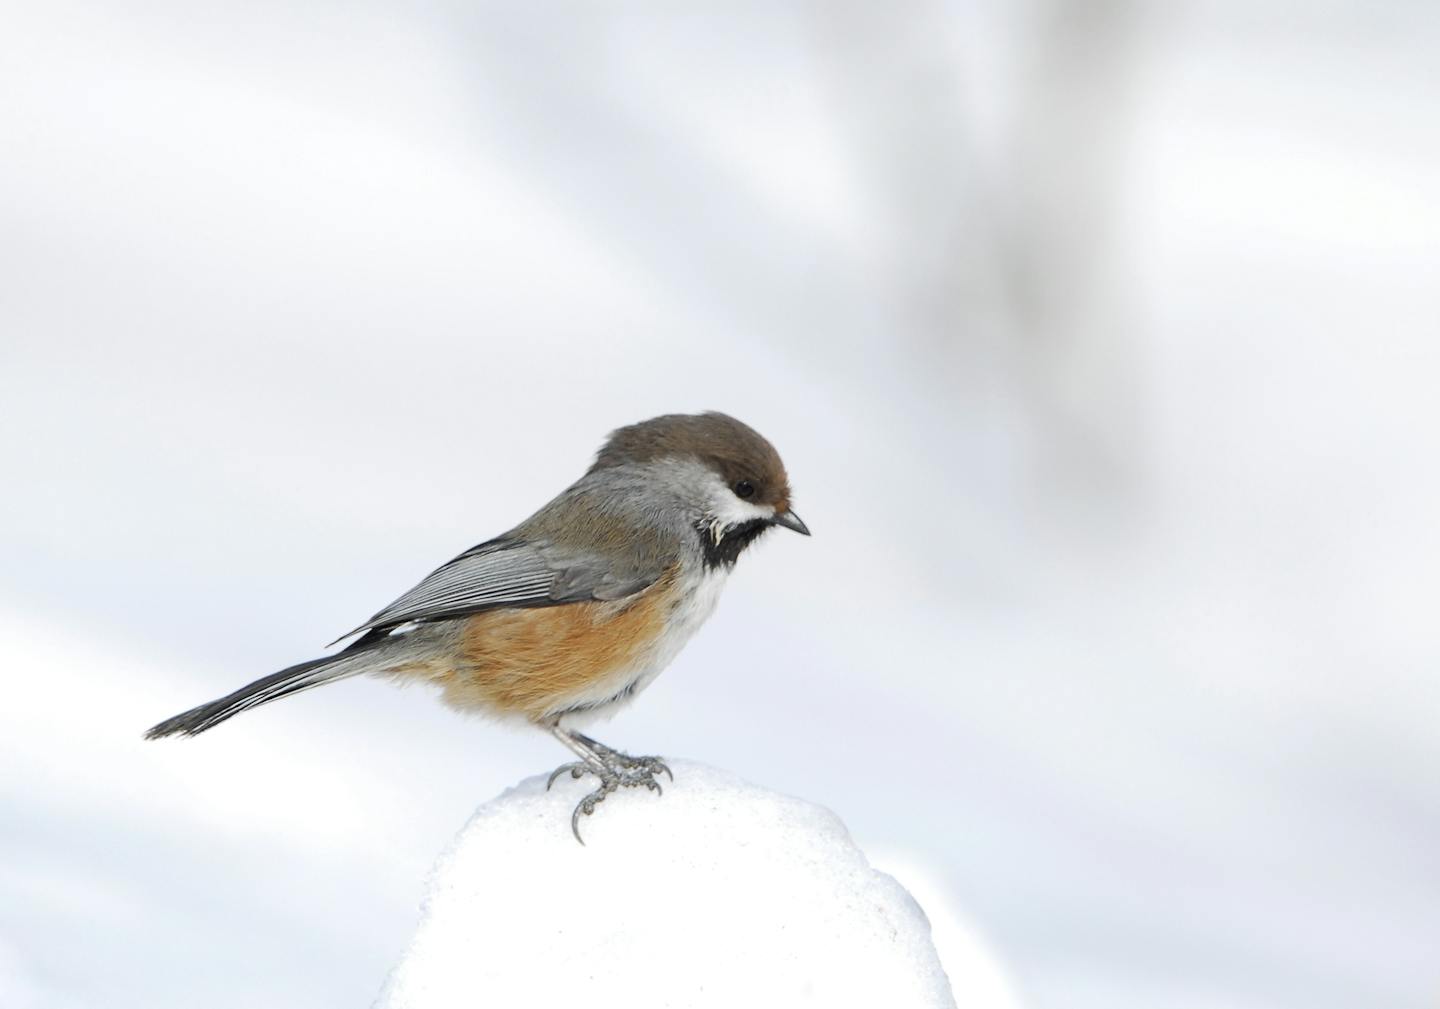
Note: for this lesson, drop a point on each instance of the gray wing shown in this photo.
(510, 572)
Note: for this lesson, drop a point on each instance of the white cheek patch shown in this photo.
(728, 510)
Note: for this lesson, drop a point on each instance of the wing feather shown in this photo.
(506, 572)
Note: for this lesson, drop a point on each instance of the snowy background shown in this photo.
(1100, 338)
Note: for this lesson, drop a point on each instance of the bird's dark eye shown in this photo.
(744, 489)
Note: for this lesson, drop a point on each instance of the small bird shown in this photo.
(572, 613)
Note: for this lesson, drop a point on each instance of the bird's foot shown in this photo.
(615, 770)
(648, 767)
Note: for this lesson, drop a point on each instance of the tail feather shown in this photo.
(292, 680)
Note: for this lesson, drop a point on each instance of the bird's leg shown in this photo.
(590, 761)
(613, 768)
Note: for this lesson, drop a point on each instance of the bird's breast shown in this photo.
(693, 600)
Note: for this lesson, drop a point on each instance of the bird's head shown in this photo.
(727, 477)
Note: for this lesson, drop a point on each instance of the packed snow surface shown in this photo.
(718, 893)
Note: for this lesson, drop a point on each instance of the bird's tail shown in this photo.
(358, 658)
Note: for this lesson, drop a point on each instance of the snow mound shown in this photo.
(718, 893)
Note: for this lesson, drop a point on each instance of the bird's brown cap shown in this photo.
(734, 450)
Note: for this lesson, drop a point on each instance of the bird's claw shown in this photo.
(608, 784)
(615, 770)
(577, 770)
(653, 764)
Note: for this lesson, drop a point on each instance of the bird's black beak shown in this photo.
(790, 521)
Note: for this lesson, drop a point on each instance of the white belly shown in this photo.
(695, 600)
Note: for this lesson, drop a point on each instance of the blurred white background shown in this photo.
(1100, 338)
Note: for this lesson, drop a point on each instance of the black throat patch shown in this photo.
(736, 539)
